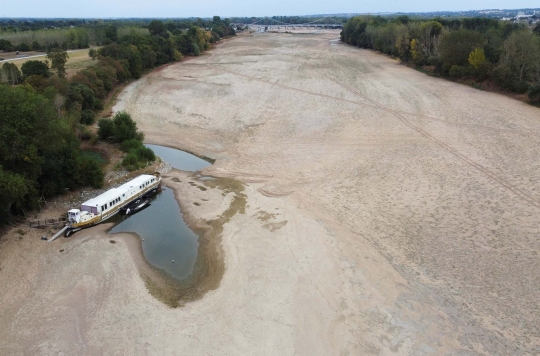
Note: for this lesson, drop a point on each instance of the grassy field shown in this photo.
(49, 36)
(78, 59)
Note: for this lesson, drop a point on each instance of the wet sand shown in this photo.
(382, 212)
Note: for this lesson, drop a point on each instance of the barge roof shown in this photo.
(114, 193)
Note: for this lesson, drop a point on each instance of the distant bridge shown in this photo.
(269, 24)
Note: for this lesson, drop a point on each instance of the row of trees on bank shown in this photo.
(40, 153)
(479, 48)
(43, 114)
(17, 37)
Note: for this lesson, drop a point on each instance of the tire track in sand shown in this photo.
(373, 105)
(505, 184)
(427, 116)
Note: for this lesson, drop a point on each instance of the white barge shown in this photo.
(108, 204)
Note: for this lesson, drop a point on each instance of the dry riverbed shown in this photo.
(363, 209)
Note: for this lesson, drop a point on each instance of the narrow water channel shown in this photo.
(167, 242)
(179, 159)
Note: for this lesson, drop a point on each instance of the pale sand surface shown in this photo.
(387, 213)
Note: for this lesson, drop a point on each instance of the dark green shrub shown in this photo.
(131, 159)
(23, 47)
(94, 155)
(433, 61)
(89, 171)
(457, 71)
(87, 117)
(105, 129)
(145, 154)
(503, 76)
(196, 50)
(130, 145)
(519, 87)
(85, 134)
(534, 92)
(35, 68)
(483, 71)
(124, 127)
(98, 104)
(6, 46)
(80, 93)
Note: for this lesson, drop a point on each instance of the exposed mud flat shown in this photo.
(381, 211)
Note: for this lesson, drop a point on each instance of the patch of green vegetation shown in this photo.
(477, 86)
(122, 129)
(93, 155)
(112, 241)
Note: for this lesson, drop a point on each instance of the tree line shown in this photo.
(43, 114)
(479, 49)
(42, 35)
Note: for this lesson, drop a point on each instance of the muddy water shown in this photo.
(167, 242)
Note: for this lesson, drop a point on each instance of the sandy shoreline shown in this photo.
(381, 212)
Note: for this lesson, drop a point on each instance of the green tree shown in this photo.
(124, 127)
(93, 53)
(111, 33)
(106, 129)
(124, 52)
(58, 58)
(429, 36)
(119, 129)
(82, 94)
(35, 68)
(477, 58)
(10, 74)
(157, 28)
(6, 46)
(13, 188)
(456, 46)
(148, 56)
(416, 51)
(534, 93)
(35, 144)
(522, 54)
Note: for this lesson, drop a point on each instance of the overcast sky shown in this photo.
(227, 8)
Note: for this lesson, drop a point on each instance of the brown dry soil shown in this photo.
(384, 212)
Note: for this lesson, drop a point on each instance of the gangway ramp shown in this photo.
(58, 234)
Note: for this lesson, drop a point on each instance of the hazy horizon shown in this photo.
(235, 8)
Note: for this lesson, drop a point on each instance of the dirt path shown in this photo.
(386, 213)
